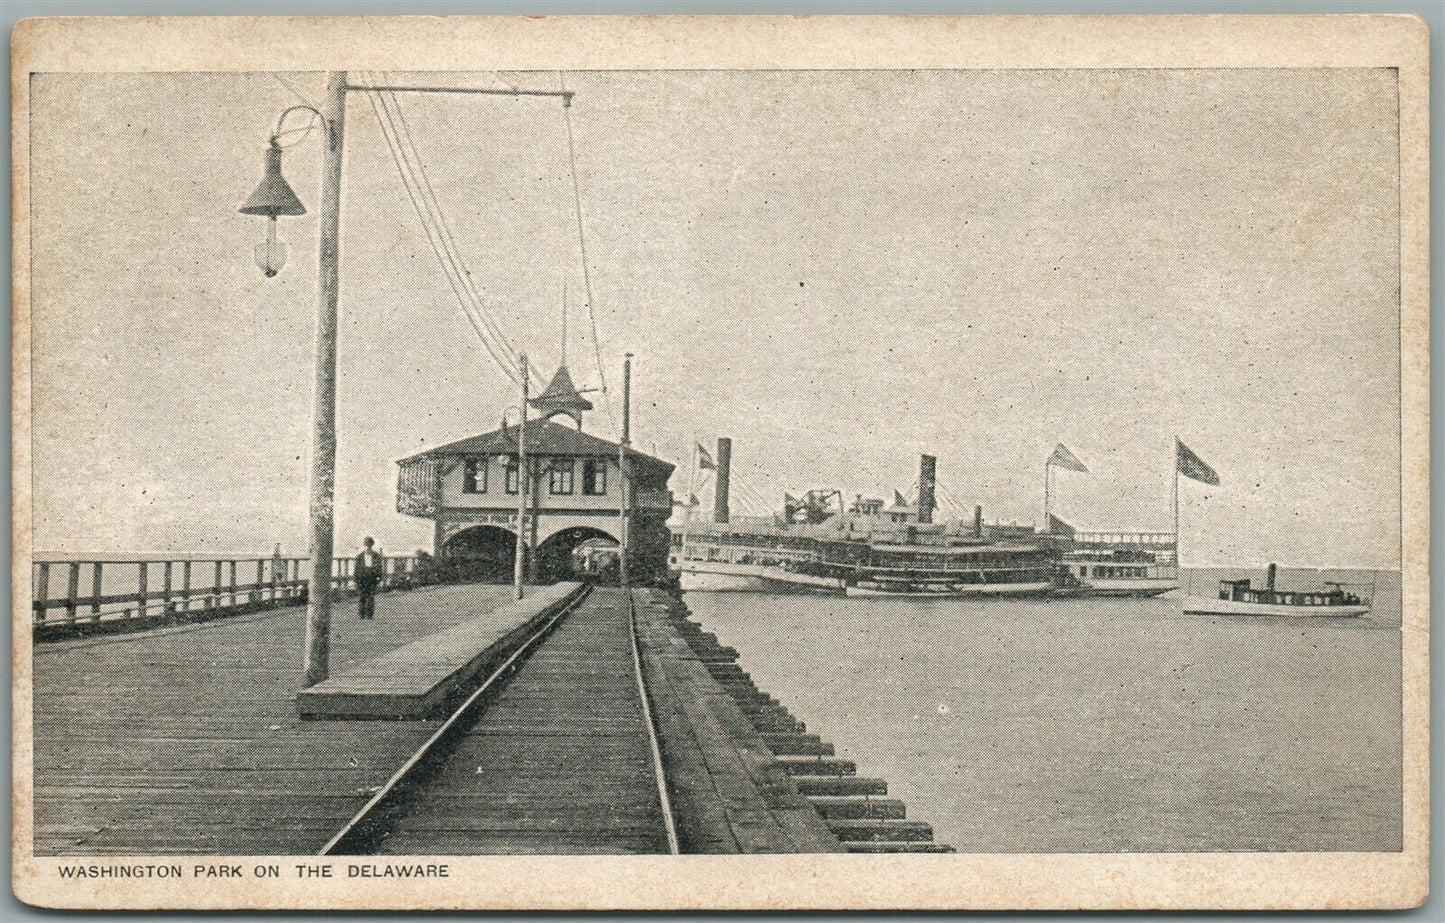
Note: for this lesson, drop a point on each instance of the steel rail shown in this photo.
(673, 847)
(425, 751)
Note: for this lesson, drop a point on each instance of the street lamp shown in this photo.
(272, 199)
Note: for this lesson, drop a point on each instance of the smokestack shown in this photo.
(724, 479)
(927, 466)
(978, 521)
(1269, 577)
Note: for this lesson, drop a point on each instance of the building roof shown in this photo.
(561, 396)
(545, 437)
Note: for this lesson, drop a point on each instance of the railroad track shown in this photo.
(555, 752)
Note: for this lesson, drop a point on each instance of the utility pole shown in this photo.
(521, 484)
(625, 473)
(275, 198)
(323, 432)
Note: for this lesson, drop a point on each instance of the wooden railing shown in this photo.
(139, 589)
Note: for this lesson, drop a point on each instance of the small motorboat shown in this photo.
(1241, 597)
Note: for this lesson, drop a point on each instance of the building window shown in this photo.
(474, 476)
(594, 477)
(511, 475)
(561, 477)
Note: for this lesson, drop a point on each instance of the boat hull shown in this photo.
(1203, 605)
(709, 582)
(958, 591)
(721, 577)
(1128, 588)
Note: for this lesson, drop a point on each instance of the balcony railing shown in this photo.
(656, 500)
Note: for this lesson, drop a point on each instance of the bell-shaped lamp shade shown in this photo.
(274, 196)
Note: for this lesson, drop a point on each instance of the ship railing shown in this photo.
(946, 571)
(1108, 539)
(70, 592)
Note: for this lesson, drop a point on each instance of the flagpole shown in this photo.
(1047, 465)
(1177, 543)
(687, 504)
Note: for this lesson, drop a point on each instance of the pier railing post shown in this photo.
(95, 587)
(140, 596)
(72, 590)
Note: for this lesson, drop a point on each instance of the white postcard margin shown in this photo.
(974, 881)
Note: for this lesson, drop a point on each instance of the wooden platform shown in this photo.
(187, 740)
(557, 763)
(731, 794)
(420, 679)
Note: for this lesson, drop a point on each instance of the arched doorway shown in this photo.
(576, 553)
(483, 553)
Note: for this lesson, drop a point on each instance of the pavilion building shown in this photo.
(469, 489)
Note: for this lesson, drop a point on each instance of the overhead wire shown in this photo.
(750, 494)
(290, 86)
(412, 170)
(499, 355)
(582, 251)
(449, 241)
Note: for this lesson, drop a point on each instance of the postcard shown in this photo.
(721, 462)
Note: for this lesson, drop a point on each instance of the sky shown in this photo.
(839, 270)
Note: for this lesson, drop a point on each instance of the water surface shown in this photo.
(1097, 725)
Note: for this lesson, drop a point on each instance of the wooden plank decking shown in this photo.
(422, 679)
(557, 763)
(187, 740)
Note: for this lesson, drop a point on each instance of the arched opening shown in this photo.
(483, 553)
(577, 553)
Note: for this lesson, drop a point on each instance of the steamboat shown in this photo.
(819, 544)
(1241, 597)
(1116, 562)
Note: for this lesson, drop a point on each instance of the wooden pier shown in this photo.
(599, 721)
(124, 595)
(559, 761)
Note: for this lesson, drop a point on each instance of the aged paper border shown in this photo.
(975, 881)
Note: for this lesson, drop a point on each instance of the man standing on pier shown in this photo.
(370, 566)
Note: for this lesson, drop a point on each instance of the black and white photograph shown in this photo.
(888, 466)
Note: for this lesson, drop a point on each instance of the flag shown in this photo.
(1058, 527)
(791, 506)
(704, 460)
(1063, 458)
(1192, 466)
